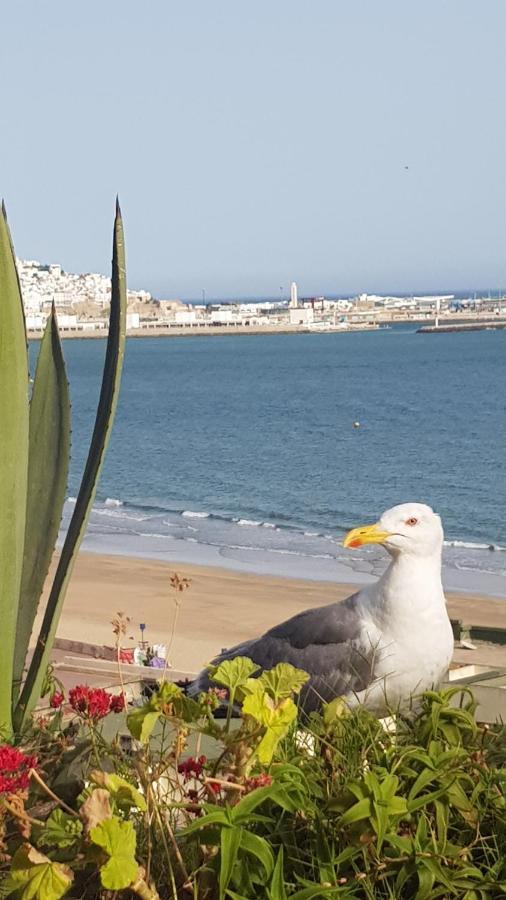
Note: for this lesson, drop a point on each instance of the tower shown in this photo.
(294, 300)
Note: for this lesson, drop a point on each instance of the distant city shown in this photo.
(82, 301)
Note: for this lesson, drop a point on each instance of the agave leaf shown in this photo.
(48, 463)
(101, 433)
(13, 461)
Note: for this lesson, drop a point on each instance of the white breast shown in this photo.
(406, 662)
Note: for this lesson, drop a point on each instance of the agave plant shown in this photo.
(34, 462)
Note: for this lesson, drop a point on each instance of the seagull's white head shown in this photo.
(410, 528)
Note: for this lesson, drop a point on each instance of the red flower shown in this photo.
(56, 700)
(117, 703)
(191, 767)
(14, 769)
(214, 786)
(257, 781)
(91, 703)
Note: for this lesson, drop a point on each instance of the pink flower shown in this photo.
(117, 703)
(91, 703)
(56, 700)
(14, 769)
(192, 767)
(257, 781)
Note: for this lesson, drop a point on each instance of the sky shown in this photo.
(350, 145)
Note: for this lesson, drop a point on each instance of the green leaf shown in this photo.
(167, 694)
(124, 794)
(276, 718)
(397, 806)
(229, 847)
(117, 839)
(363, 809)
(425, 777)
(33, 875)
(167, 700)
(258, 846)
(100, 438)
(403, 844)
(308, 893)
(140, 722)
(216, 817)
(233, 673)
(458, 799)
(425, 799)
(48, 463)
(425, 882)
(274, 792)
(283, 680)
(336, 709)
(380, 821)
(277, 889)
(60, 830)
(13, 462)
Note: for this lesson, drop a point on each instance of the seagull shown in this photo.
(382, 645)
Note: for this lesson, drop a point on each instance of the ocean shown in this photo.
(241, 451)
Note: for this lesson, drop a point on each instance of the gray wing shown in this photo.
(322, 641)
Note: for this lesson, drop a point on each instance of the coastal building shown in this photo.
(302, 316)
(185, 316)
(294, 297)
(133, 320)
(42, 285)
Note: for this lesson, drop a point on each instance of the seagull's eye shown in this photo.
(411, 521)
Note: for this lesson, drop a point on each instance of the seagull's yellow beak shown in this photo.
(365, 534)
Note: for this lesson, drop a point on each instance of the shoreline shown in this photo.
(221, 608)
(207, 331)
(375, 323)
(319, 565)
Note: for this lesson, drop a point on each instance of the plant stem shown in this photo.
(231, 698)
(228, 785)
(177, 851)
(120, 673)
(94, 745)
(143, 890)
(20, 814)
(164, 839)
(171, 639)
(40, 781)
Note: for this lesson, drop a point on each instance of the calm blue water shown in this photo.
(255, 434)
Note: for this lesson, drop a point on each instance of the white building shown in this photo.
(294, 297)
(185, 316)
(133, 320)
(303, 316)
(42, 285)
(67, 322)
(223, 317)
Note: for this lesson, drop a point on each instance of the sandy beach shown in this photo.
(220, 608)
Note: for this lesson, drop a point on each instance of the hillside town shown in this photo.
(82, 303)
